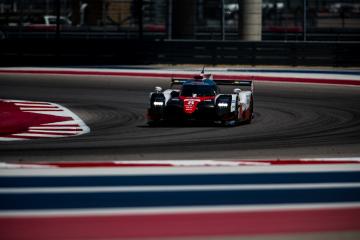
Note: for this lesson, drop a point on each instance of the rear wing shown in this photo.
(246, 83)
(178, 82)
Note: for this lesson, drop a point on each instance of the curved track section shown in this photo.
(291, 121)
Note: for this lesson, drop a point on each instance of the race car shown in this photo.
(199, 99)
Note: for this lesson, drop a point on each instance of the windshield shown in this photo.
(197, 91)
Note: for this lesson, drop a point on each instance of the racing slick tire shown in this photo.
(250, 113)
(243, 117)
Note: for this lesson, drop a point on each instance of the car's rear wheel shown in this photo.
(250, 111)
(238, 117)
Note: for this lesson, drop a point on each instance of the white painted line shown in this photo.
(198, 170)
(54, 113)
(24, 101)
(54, 131)
(10, 139)
(37, 190)
(38, 135)
(19, 166)
(33, 105)
(70, 122)
(77, 120)
(39, 109)
(176, 210)
(55, 127)
(187, 163)
(332, 159)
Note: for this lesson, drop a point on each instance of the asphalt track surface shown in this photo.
(291, 121)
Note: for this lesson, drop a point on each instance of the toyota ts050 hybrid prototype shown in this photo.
(199, 99)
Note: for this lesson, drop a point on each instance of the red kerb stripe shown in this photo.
(181, 225)
(102, 164)
(170, 164)
(291, 162)
(179, 75)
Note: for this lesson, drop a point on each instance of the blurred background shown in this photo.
(191, 20)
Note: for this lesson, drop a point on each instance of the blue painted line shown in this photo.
(181, 180)
(176, 198)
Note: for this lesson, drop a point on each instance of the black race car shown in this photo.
(200, 99)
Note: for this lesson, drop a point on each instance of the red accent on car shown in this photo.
(190, 103)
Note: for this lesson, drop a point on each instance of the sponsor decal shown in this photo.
(191, 103)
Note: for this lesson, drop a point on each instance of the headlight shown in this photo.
(158, 104)
(222, 104)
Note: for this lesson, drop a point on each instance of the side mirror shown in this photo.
(237, 90)
(158, 89)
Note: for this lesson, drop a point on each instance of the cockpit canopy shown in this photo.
(201, 90)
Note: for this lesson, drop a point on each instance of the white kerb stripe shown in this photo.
(177, 188)
(176, 210)
(55, 131)
(33, 135)
(151, 171)
(55, 128)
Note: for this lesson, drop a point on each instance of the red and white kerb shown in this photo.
(22, 120)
